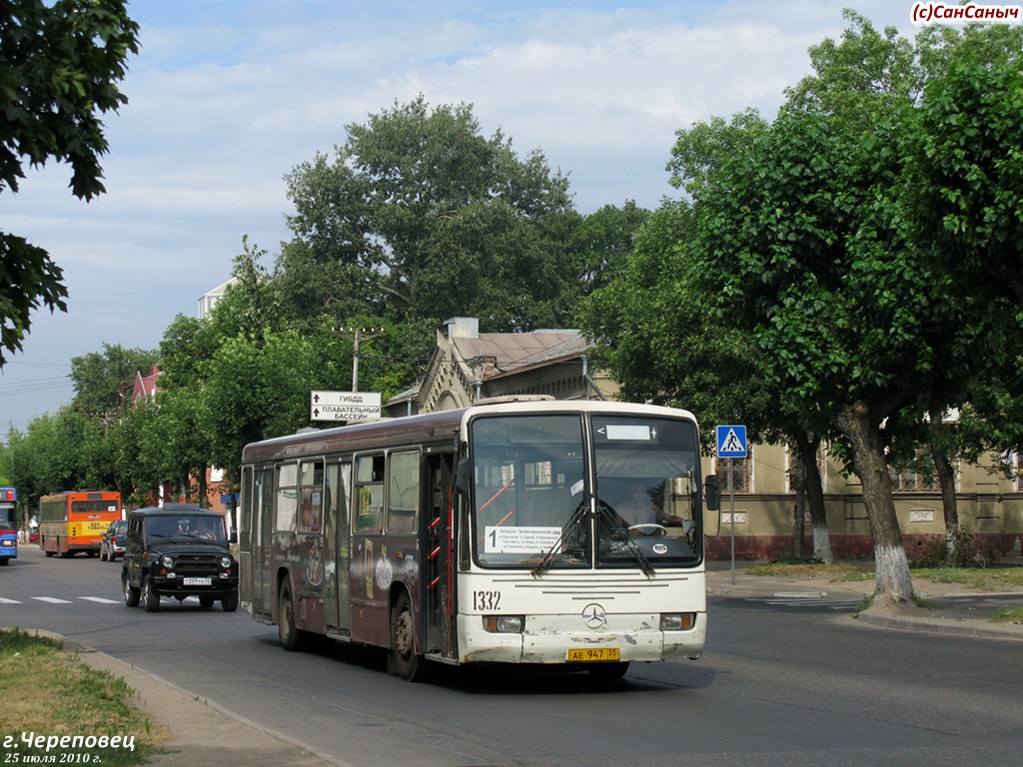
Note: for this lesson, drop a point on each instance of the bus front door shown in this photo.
(437, 582)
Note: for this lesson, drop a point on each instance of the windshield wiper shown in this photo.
(619, 534)
(548, 559)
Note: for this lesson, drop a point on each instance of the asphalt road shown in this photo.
(781, 684)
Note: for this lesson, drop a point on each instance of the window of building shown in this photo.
(741, 473)
(795, 464)
(919, 476)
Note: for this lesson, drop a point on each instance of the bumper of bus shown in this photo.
(549, 638)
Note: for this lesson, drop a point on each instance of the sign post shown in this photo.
(731, 443)
(343, 405)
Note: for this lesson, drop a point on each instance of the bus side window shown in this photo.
(369, 493)
(311, 496)
(287, 497)
(403, 493)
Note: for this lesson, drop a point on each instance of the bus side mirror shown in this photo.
(712, 492)
(462, 475)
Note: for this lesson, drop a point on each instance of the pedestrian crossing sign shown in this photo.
(731, 441)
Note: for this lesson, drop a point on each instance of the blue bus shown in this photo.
(8, 525)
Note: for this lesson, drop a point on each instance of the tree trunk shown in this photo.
(892, 568)
(947, 480)
(799, 528)
(798, 479)
(814, 487)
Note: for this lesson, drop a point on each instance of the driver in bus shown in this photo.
(640, 512)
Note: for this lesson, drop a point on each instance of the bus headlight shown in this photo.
(504, 624)
(677, 621)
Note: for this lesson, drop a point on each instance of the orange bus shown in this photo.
(74, 521)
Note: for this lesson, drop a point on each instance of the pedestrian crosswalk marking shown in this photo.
(832, 604)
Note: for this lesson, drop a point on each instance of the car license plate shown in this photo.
(591, 654)
(197, 581)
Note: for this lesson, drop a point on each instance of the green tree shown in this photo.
(257, 390)
(419, 216)
(60, 63)
(861, 82)
(103, 380)
(804, 250)
(604, 240)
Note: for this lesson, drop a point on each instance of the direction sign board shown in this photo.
(343, 405)
(731, 441)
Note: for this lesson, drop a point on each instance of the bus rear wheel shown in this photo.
(291, 638)
(403, 659)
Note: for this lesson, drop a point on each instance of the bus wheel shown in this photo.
(291, 638)
(150, 598)
(131, 594)
(403, 659)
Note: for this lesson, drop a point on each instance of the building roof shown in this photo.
(145, 386)
(511, 351)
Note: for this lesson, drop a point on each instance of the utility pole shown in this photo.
(360, 335)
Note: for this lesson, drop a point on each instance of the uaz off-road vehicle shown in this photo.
(179, 550)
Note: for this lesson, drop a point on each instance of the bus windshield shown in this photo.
(536, 505)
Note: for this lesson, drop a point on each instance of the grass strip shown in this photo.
(49, 694)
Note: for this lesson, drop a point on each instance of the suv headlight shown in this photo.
(167, 561)
(225, 562)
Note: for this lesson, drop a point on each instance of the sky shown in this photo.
(227, 97)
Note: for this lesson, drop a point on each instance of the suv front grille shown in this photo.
(200, 564)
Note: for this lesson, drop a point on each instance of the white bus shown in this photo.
(499, 533)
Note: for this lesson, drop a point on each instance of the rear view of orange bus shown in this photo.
(74, 521)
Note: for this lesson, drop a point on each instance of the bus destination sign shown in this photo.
(344, 405)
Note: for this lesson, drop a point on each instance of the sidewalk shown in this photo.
(199, 732)
(951, 620)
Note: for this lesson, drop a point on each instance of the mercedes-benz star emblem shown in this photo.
(594, 616)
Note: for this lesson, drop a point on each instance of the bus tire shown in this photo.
(131, 594)
(403, 659)
(230, 603)
(149, 597)
(292, 639)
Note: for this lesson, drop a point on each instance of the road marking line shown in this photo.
(101, 600)
(4, 601)
(53, 600)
